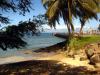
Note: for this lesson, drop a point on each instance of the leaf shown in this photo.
(44, 1)
(70, 14)
(51, 12)
(89, 5)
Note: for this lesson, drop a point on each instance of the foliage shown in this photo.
(12, 37)
(20, 6)
(69, 9)
(77, 43)
(4, 19)
(7, 41)
(21, 29)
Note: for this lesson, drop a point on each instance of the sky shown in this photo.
(39, 9)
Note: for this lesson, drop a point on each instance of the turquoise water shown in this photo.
(34, 42)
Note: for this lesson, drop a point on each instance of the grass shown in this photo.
(78, 43)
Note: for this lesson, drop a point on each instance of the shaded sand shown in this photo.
(45, 63)
(43, 67)
(29, 55)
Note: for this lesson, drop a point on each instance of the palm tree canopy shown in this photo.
(67, 9)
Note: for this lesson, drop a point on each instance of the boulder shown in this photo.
(95, 58)
(97, 65)
(89, 53)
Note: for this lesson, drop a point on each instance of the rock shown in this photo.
(71, 54)
(95, 58)
(99, 44)
(97, 65)
(89, 53)
(83, 58)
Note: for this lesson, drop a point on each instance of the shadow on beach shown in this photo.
(41, 67)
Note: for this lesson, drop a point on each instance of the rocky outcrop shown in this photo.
(95, 60)
(89, 53)
(93, 54)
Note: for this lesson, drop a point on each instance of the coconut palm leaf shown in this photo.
(67, 9)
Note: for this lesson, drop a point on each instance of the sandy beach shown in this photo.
(30, 55)
(44, 61)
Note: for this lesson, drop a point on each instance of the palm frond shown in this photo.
(67, 9)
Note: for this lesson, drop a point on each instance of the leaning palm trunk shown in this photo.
(68, 27)
(81, 30)
(83, 21)
(70, 33)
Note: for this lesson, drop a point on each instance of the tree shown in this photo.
(21, 6)
(12, 36)
(68, 9)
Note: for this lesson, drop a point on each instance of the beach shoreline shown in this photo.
(44, 61)
(48, 53)
(28, 59)
(26, 55)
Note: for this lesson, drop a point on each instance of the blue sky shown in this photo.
(39, 9)
(15, 17)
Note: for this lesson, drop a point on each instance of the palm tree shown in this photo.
(99, 27)
(69, 9)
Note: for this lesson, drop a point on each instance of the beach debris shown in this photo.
(83, 58)
(71, 54)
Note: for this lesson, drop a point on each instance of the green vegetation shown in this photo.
(77, 43)
(69, 9)
(12, 36)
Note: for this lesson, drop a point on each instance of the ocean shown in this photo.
(33, 43)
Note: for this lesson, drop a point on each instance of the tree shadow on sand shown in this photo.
(43, 68)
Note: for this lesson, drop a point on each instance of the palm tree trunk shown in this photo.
(68, 38)
(68, 27)
(81, 31)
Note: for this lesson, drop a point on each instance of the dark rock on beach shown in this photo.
(93, 54)
(53, 48)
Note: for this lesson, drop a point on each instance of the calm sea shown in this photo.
(33, 43)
